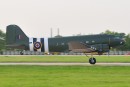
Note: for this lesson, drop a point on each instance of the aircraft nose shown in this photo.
(122, 41)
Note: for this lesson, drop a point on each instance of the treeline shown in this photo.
(125, 47)
(2, 40)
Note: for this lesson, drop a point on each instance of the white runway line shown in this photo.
(69, 64)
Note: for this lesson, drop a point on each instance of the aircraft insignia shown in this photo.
(37, 45)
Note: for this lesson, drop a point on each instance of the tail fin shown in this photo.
(15, 36)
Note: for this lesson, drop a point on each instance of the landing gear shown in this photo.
(21, 52)
(92, 60)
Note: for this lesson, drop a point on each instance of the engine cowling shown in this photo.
(100, 48)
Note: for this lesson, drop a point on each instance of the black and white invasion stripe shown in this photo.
(34, 43)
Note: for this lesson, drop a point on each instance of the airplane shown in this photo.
(99, 43)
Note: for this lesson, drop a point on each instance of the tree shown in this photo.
(122, 35)
(127, 43)
(2, 40)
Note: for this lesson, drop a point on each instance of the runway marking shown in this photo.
(69, 64)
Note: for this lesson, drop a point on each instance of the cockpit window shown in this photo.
(116, 37)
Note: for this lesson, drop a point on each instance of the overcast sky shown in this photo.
(36, 17)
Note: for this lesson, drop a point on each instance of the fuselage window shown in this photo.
(87, 41)
(93, 41)
(57, 44)
(62, 44)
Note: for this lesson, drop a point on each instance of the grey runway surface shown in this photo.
(68, 64)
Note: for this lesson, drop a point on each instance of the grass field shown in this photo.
(125, 59)
(64, 76)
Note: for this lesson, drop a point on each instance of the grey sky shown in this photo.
(36, 17)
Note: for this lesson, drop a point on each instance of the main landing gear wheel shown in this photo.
(92, 60)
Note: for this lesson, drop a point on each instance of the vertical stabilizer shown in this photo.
(15, 36)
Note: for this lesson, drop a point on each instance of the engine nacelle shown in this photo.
(100, 48)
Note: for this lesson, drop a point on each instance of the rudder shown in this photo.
(14, 35)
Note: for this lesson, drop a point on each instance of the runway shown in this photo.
(68, 64)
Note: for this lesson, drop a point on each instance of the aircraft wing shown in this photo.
(76, 46)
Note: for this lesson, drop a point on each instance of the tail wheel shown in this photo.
(92, 60)
(21, 53)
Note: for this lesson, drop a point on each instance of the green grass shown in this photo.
(125, 59)
(64, 76)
